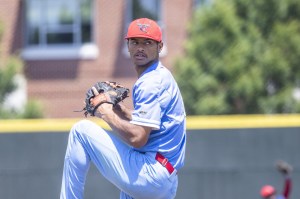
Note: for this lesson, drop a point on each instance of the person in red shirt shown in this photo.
(269, 192)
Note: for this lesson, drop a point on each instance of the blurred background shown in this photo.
(236, 62)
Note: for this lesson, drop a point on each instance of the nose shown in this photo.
(140, 48)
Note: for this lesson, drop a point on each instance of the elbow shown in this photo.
(139, 136)
(138, 143)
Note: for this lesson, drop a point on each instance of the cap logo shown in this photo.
(143, 27)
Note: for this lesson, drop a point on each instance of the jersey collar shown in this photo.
(151, 68)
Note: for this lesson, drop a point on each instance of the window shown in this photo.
(148, 9)
(198, 3)
(145, 8)
(59, 29)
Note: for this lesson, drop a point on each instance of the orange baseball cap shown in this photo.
(267, 191)
(145, 28)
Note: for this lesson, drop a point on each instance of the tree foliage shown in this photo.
(8, 70)
(242, 57)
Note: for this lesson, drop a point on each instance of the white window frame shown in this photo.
(75, 50)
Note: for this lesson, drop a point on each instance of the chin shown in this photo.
(141, 63)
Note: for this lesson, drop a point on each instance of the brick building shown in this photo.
(68, 45)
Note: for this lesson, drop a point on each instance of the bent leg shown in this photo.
(89, 142)
(136, 174)
(76, 165)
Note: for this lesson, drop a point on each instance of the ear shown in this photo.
(160, 46)
(127, 45)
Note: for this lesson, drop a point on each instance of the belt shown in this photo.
(165, 162)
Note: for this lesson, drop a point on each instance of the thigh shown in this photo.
(108, 152)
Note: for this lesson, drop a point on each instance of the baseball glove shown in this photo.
(283, 167)
(115, 92)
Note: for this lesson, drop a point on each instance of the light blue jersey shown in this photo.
(158, 104)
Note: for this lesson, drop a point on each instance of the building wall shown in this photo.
(10, 16)
(63, 83)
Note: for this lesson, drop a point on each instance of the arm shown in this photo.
(287, 187)
(286, 169)
(134, 135)
(122, 111)
(118, 119)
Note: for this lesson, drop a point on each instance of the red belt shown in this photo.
(165, 162)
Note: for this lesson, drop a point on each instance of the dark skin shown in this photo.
(143, 53)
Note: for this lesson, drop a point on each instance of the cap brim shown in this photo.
(141, 36)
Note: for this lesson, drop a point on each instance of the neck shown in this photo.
(141, 68)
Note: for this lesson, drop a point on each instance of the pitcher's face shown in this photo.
(143, 51)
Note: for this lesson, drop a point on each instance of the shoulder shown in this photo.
(151, 79)
(147, 85)
(155, 79)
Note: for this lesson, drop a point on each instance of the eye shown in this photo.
(148, 42)
(133, 42)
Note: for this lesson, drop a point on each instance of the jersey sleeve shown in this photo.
(147, 110)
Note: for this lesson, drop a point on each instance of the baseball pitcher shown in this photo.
(145, 150)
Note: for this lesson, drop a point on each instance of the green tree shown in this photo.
(8, 70)
(242, 57)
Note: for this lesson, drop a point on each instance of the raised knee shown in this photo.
(83, 123)
(85, 127)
